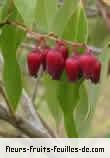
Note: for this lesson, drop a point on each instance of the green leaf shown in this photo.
(7, 9)
(45, 13)
(68, 95)
(27, 9)
(3, 5)
(82, 111)
(62, 16)
(98, 35)
(77, 27)
(10, 39)
(70, 125)
(51, 98)
(12, 80)
(104, 58)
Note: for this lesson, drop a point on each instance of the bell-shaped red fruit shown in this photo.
(55, 64)
(72, 69)
(96, 72)
(86, 62)
(34, 61)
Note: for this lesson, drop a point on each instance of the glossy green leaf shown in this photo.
(62, 16)
(27, 9)
(70, 125)
(98, 35)
(77, 27)
(82, 111)
(12, 80)
(7, 9)
(51, 97)
(104, 58)
(68, 94)
(45, 13)
(10, 39)
(3, 5)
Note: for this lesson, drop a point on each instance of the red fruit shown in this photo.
(34, 61)
(72, 69)
(86, 62)
(55, 64)
(62, 48)
(44, 56)
(96, 72)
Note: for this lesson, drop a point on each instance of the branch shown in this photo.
(29, 110)
(30, 123)
(33, 116)
(96, 51)
(37, 36)
(21, 124)
(28, 46)
(6, 134)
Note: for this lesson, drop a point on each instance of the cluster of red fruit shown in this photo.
(56, 60)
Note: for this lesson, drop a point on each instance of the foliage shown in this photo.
(77, 101)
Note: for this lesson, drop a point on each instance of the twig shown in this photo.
(28, 46)
(96, 51)
(37, 36)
